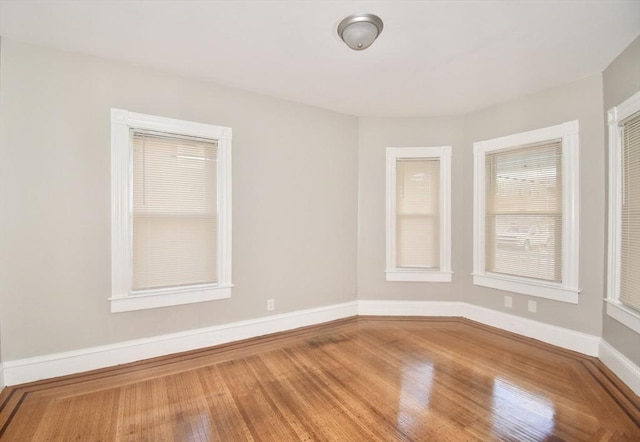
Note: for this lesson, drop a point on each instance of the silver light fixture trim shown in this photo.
(360, 30)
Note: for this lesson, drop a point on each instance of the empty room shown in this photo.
(317, 220)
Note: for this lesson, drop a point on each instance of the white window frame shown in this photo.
(615, 308)
(123, 298)
(394, 273)
(567, 290)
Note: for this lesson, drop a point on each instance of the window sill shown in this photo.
(167, 297)
(418, 276)
(526, 286)
(624, 315)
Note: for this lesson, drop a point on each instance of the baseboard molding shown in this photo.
(551, 334)
(2, 384)
(618, 363)
(60, 364)
(409, 308)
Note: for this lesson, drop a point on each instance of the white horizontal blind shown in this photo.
(523, 224)
(174, 211)
(418, 213)
(630, 228)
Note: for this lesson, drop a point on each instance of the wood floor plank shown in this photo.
(363, 378)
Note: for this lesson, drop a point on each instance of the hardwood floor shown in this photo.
(359, 379)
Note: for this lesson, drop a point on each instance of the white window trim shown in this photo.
(123, 298)
(393, 273)
(615, 308)
(567, 290)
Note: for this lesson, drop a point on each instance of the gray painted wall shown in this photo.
(376, 134)
(294, 200)
(620, 81)
(309, 199)
(582, 101)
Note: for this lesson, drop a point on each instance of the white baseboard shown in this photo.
(618, 363)
(409, 308)
(551, 334)
(60, 364)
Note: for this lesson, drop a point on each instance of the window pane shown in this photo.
(174, 211)
(630, 226)
(524, 211)
(418, 213)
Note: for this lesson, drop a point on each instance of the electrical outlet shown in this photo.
(508, 301)
(532, 306)
(271, 305)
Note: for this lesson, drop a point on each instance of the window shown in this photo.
(624, 213)
(526, 227)
(418, 214)
(171, 211)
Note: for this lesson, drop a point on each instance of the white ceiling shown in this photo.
(432, 58)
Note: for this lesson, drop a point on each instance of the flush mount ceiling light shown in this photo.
(358, 31)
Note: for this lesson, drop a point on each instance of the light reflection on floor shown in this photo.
(414, 399)
(195, 428)
(518, 413)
